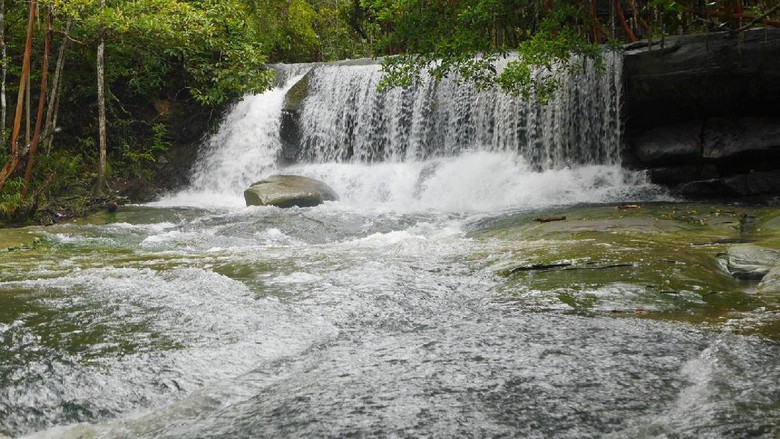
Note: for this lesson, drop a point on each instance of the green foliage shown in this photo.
(11, 200)
(668, 6)
(466, 39)
(137, 158)
(337, 38)
(207, 45)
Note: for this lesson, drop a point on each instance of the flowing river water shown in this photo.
(381, 314)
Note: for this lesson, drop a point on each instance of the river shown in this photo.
(381, 314)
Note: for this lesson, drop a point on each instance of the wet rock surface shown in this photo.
(677, 261)
(750, 262)
(770, 284)
(288, 191)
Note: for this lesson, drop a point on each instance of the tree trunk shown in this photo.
(101, 177)
(13, 160)
(41, 103)
(54, 97)
(3, 75)
(27, 123)
(619, 12)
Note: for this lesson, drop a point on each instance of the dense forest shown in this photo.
(101, 98)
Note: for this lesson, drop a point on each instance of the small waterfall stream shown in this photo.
(345, 119)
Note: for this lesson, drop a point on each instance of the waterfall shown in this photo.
(345, 119)
(413, 146)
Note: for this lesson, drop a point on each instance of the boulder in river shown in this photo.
(770, 284)
(288, 191)
(750, 262)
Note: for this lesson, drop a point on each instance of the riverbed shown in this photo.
(164, 321)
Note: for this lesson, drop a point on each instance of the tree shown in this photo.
(13, 160)
(41, 103)
(101, 102)
(206, 43)
(466, 37)
(3, 76)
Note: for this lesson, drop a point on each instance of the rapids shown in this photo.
(381, 314)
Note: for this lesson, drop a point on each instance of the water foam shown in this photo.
(474, 182)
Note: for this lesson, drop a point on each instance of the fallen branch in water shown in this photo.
(550, 219)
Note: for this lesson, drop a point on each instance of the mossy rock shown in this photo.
(664, 260)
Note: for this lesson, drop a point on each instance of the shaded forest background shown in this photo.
(107, 100)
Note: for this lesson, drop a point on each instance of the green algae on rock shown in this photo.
(659, 261)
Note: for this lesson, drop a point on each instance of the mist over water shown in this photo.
(381, 314)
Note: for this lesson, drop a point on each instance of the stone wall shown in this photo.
(703, 113)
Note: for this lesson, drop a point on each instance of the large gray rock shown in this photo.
(288, 191)
(750, 262)
(771, 282)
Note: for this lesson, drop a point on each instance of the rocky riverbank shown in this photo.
(715, 263)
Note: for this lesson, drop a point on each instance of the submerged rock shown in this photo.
(288, 191)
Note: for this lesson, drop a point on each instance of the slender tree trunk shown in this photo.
(612, 15)
(13, 161)
(640, 21)
(101, 177)
(3, 75)
(41, 104)
(619, 12)
(27, 123)
(54, 97)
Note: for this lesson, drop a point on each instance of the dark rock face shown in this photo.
(703, 113)
(674, 175)
(669, 143)
(723, 137)
(695, 77)
(290, 129)
(754, 183)
(288, 191)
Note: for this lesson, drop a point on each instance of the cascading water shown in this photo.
(346, 119)
(417, 147)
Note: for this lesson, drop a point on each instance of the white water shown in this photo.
(470, 182)
(345, 119)
(443, 147)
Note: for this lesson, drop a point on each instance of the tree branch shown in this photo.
(756, 20)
